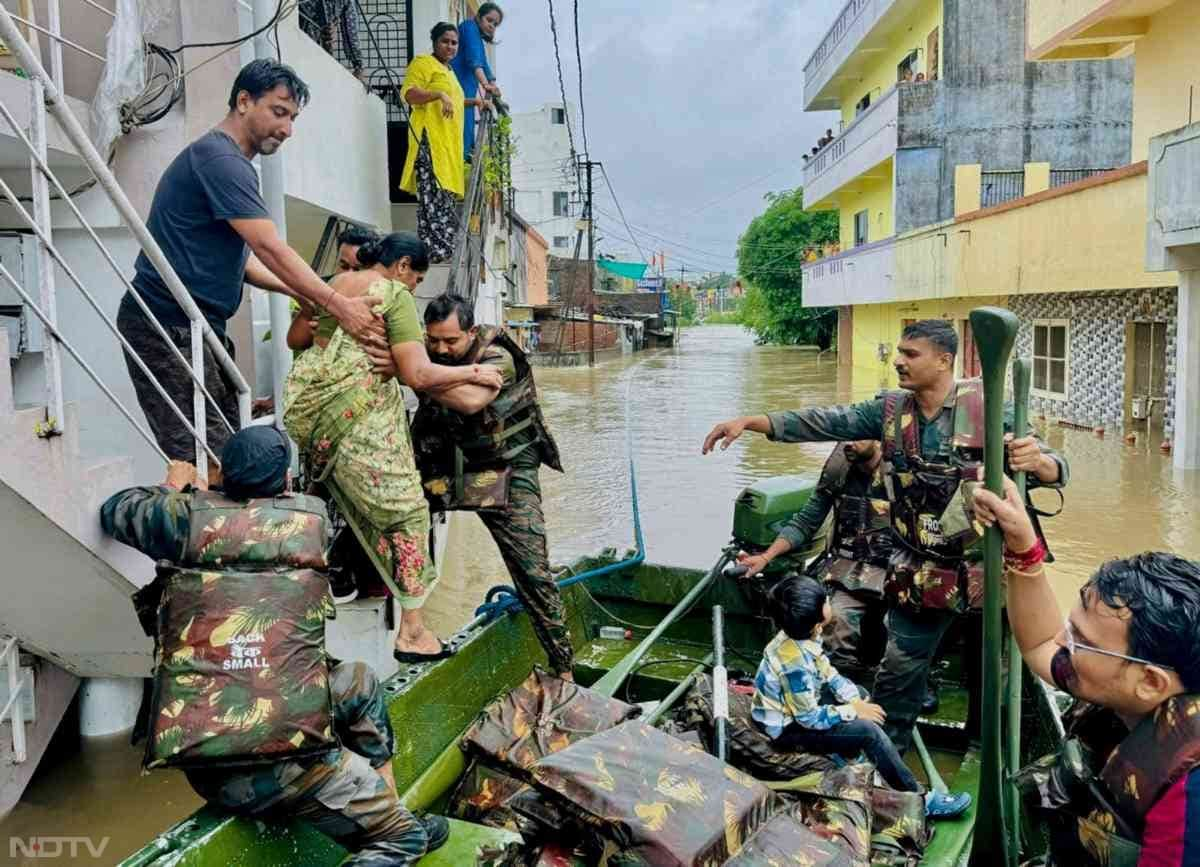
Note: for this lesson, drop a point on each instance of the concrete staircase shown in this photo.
(66, 586)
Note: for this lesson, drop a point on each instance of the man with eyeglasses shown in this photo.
(1124, 788)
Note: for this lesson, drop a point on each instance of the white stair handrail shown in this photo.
(12, 709)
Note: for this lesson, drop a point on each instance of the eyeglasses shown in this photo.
(1073, 645)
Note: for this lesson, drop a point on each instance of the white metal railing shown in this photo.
(838, 30)
(47, 97)
(860, 129)
(12, 710)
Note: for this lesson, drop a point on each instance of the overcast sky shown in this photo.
(695, 107)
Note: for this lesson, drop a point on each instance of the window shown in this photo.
(906, 69)
(558, 116)
(562, 240)
(931, 55)
(560, 204)
(1050, 357)
(861, 219)
(862, 105)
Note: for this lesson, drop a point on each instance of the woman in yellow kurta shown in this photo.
(433, 169)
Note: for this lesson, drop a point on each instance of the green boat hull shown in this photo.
(432, 705)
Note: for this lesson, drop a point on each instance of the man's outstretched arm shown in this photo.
(859, 421)
(154, 520)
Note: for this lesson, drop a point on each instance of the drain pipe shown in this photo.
(272, 174)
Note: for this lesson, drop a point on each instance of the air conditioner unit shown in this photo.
(18, 254)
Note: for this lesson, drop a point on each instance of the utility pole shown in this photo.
(588, 164)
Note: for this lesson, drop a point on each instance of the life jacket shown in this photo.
(1095, 809)
(927, 568)
(241, 673)
(465, 461)
(859, 548)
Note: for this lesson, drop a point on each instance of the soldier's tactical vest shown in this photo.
(927, 568)
(241, 674)
(465, 461)
(857, 555)
(1098, 819)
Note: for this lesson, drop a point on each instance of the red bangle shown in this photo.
(1026, 560)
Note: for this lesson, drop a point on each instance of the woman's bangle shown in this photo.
(1026, 560)
(325, 303)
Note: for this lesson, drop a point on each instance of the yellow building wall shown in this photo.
(1166, 72)
(1088, 240)
(1047, 20)
(880, 74)
(874, 194)
(877, 330)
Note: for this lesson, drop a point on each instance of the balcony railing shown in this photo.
(370, 38)
(1000, 187)
(841, 26)
(1062, 177)
(869, 140)
(862, 275)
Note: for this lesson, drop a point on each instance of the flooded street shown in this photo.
(1122, 499)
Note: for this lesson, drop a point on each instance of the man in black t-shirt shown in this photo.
(213, 226)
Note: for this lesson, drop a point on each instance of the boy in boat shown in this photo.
(1124, 788)
(788, 690)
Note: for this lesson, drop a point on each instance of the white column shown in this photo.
(1187, 373)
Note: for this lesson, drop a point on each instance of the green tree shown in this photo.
(770, 255)
(683, 303)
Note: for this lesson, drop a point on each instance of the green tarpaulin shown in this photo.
(632, 270)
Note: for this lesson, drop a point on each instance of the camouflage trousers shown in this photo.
(856, 643)
(912, 641)
(520, 534)
(340, 793)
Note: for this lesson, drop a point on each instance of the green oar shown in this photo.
(995, 331)
(1022, 372)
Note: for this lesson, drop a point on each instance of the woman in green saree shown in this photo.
(349, 417)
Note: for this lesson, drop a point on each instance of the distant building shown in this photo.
(543, 177)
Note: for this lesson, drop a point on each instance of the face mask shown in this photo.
(1062, 671)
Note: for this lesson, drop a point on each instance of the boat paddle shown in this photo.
(995, 331)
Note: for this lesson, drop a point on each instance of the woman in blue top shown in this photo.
(471, 64)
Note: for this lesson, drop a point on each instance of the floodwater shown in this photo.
(1122, 499)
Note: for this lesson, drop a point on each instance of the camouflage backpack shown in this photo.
(242, 676)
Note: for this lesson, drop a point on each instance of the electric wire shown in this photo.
(579, 64)
(562, 90)
(620, 210)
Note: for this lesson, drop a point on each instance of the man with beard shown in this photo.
(855, 559)
(212, 225)
(480, 448)
(1124, 787)
(932, 435)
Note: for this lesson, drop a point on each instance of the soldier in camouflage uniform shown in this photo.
(1124, 787)
(227, 692)
(855, 559)
(929, 449)
(480, 448)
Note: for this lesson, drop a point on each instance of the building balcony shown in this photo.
(1173, 227)
(908, 115)
(863, 275)
(858, 33)
(1087, 29)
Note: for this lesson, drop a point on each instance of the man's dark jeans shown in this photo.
(848, 739)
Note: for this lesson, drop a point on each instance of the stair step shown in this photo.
(53, 690)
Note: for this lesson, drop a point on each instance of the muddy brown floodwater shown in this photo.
(1121, 500)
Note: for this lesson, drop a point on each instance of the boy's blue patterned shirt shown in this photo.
(788, 686)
